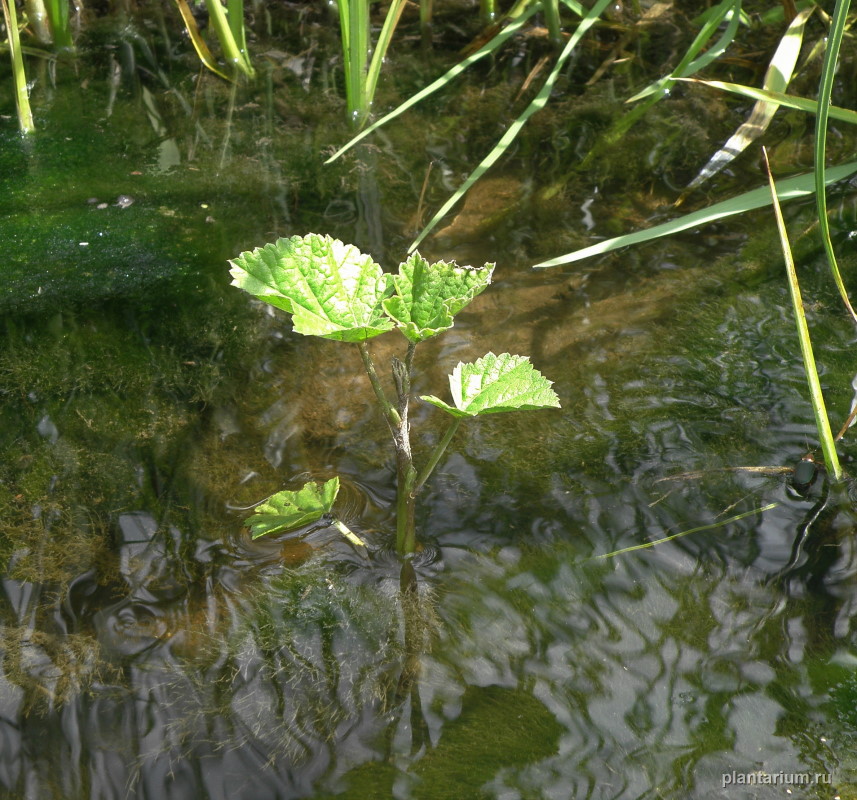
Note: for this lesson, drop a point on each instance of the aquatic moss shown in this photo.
(498, 730)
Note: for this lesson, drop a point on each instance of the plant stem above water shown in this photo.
(390, 413)
(436, 454)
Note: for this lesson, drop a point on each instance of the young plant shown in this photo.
(334, 291)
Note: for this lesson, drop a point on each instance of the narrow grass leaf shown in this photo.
(690, 64)
(700, 529)
(19, 76)
(798, 186)
(235, 17)
(446, 78)
(198, 42)
(779, 98)
(512, 131)
(58, 14)
(394, 14)
(822, 422)
(577, 8)
(828, 70)
(777, 78)
(231, 50)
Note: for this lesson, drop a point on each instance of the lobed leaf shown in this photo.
(331, 289)
(493, 384)
(288, 510)
(427, 296)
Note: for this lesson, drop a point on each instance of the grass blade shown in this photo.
(19, 76)
(798, 186)
(701, 528)
(231, 51)
(235, 17)
(58, 14)
(787, 100)
(550, 9)
(577, 8)
(199, 44)
(689, 64)
(508, 137)
(40, 23)
(777, 78)
(394, 14)
(831, 57)
(822, 422)
(443, 80)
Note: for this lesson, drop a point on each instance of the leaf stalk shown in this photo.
(436, 455)
(390, 413)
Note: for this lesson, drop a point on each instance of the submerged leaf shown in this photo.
(493, 384)
(427, 296)
(331, 289)
(288, 510)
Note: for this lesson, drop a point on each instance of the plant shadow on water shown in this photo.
(150, 648)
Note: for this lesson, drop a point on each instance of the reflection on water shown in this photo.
(540, 672)
(151, 649)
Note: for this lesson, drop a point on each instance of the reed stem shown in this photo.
(19, 76)
(224, 27)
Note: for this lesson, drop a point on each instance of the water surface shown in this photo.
(151, 649)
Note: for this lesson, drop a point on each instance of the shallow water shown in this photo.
(150, 649)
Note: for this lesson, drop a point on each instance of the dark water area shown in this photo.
(150, 648)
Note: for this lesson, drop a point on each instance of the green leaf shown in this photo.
(690, 64)
(822, 419)
(536, 104)
(489, 47)
(331, 289)
(493, 384)
(428, 296)
(288, 510)
(777, 78)
(797, 186)
(777, 98)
